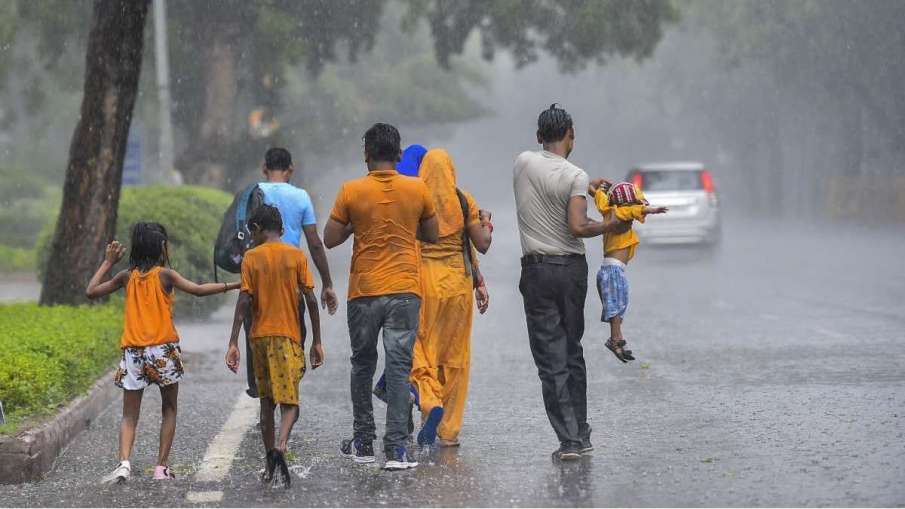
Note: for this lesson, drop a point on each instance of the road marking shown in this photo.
(221, 452)
(204, 497)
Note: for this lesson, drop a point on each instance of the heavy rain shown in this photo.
(766, 310)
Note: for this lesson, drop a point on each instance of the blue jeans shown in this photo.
(398, 316)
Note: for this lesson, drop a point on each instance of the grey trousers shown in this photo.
(398, 316)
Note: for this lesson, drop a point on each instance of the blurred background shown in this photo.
(796, 107)
(770, 356)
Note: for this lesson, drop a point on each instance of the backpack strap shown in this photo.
(242, 207)
(214, 260)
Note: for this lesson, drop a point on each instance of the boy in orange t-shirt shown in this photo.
(274, 274)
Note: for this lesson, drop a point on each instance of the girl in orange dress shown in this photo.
(150, 343)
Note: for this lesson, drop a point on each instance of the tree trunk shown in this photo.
(207, 162)
(87, 218)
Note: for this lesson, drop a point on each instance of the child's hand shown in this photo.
(316, 354)
(655, 210)
(114, 252)
(232, 358)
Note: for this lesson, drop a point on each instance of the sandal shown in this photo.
(626, 354)
(163, 473)
(616, 347)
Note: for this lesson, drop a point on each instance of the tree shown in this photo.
(575, 32)
(94, 174)
(245, 48)
(244, 44)
(824, 81)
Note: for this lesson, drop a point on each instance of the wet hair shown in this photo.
(382, 143)
(553, 124)
(268, 218)
(277, 158)
(148, 247)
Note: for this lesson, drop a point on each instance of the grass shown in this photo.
(49, 355)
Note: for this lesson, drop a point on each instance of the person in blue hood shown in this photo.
(411, 160)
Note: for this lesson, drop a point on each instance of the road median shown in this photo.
(29, 454)
(50, 361)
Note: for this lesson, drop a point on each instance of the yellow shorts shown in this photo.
(279, 367)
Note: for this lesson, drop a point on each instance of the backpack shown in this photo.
(234, 238)
(467, 252)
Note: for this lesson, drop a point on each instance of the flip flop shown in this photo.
(616, 348)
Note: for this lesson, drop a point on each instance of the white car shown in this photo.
(687, 189)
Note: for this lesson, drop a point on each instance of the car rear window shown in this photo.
(671, 180)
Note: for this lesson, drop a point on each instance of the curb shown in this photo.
(29, 454)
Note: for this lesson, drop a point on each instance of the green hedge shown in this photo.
(48, 355)
(192, 217)
(16, 259)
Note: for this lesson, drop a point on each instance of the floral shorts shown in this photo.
(279, 365)
(141, 367)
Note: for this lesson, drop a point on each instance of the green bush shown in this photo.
(49, 355)
(28, 203)
(16, 259)
(192, 217)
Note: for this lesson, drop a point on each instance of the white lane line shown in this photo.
(218, 458)
(204, 497)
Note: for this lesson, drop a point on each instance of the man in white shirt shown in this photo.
(551, 201)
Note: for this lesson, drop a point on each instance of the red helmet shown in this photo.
(625, 193)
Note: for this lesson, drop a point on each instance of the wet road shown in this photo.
(768, 374)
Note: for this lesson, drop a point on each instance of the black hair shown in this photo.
(277, 158)
(268, 218)
(553, 124)
(382, 143)
(148, 246)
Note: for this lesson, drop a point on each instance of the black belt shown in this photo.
(533, 259)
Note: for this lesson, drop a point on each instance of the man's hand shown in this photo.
(482, 298)
(655, 210)
(598, 183)
(114, 252)
(232, 358)
(316, 354)
(329, 300)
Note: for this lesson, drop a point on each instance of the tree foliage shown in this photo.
(575, 32)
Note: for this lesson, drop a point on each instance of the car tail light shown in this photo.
(707, 182)
(637, 179)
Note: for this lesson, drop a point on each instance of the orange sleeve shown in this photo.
(630, 212)
(305, 278)
(429, 210)
(248, 283)
(602, 202)
(340, 211)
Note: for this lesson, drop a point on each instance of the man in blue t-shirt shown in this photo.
(297, 210)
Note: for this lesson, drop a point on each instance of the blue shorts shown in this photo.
(612, 285)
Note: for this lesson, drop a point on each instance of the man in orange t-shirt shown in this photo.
(388, 214)
(274, 275)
